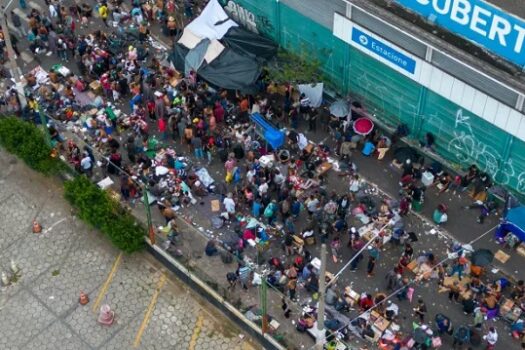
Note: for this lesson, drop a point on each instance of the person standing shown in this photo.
(244, 273)
(103, 13)
(17, 23)
(162, 126)
(420, 310)
(14, 44)
(229, 205)
(371, 266)
(453, 294)
(23, 4)
(479, 318)
(286, 308)
(292, 287)
(491, 338)
(196, 143)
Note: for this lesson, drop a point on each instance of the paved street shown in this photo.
(75, 261)
(40, 308)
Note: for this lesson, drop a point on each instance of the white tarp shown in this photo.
(205, 177)
(189, 39)
(313, 92)
(214, 50)
(212, 23)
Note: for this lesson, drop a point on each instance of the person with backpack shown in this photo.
(115, 162)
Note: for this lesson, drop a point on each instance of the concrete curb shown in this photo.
(185, 275)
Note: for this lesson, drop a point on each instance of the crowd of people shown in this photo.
(175, 127)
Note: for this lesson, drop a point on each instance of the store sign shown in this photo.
(477, 21)
(384, 51)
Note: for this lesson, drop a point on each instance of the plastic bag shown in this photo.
(410, 294)
(436, 342)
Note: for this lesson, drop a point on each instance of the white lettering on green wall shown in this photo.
(242, 16)
(467, 148)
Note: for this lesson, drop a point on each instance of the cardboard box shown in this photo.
(521, 249)
(215, 205)
(95, 87)
(412, 265)
(502, 257)
(506, 307)
(381, 324)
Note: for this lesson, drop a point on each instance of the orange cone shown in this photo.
(37, 228)
(84, 299)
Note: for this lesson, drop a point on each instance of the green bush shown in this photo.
(26, 141)
(98, 209)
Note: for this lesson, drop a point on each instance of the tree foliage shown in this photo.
(294, 68)
(98, 209)
(27, 141)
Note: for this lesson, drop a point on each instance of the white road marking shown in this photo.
(26, 57)
(53, 225)
(21, 14)
(35, 6)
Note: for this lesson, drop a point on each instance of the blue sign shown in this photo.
(478, 21)
(383, 50)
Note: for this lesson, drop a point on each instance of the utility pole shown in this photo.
(15, 71)
(264, 303)
(319, 342)
(151, 230)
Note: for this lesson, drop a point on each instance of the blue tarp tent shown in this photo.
(514, 223)
(271, 134)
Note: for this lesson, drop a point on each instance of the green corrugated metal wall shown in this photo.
(462, 138)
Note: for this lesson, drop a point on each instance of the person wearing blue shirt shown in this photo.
(295, 208)
(368, 148)
(261, 233)
(256, 208)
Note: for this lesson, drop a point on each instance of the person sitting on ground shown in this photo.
(518, 291)
(211, 248)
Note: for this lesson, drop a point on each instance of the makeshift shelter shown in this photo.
(266, 130)
(514, 222)
(221, 52)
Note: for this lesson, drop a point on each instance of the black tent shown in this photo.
(229, 70)
(249, 44)
(238, 66)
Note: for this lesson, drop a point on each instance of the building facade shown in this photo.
(400, 78)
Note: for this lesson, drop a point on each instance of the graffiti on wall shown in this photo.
(464, 145)
(255, 23)
(467, 148)
(378, 95)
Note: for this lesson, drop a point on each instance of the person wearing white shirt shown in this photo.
(229, 204)
(491, 338)
(263, 189)
(86, 164)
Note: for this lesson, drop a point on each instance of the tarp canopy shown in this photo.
(221, 52)
(212, 23)
(249, 44)
(229, 70)
(314, 92)
(514, 223)
(271, 134)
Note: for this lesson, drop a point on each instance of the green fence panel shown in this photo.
(462, 137)
(513, 169)
(393, 98)
(308, 38)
